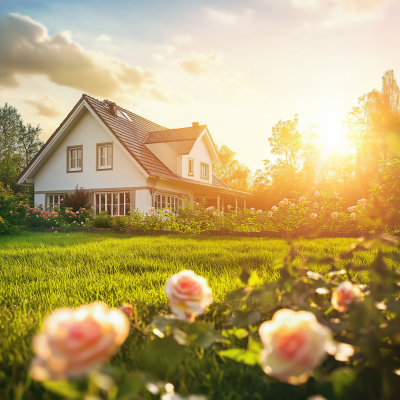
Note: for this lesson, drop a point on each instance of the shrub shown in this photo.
(77, 199)
(102, 220)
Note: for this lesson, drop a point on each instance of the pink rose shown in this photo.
(165, 211)
(302, 199)
(251, 209)
(66, 211)
(362, 202)
(40, 205)
(334, 215)
(11, 212)
(313, 216)
(61, 199)
(152, 209)
(281, 203)
(47, 206)
(92, 208)
(343, 295)
(270, 214)
(74, 341)
(189, 295)
(315, 205)
(37, 216)
(316, 194)
(353, 215)
(295, 343)
(77, 212)
(212, 208)
(197, 204)
(228, 207)
(214, 214)
(207, 209)
(259, 212)
(274, 208)
(55, 205)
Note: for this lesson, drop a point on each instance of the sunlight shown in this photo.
(333, 139)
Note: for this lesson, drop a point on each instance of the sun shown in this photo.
(333, 140)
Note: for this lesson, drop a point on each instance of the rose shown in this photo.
(11, 212)
(343, 295)
(73, 341)
(165, 211)
(315, 205)
(302, 199)
(259, 212)
(228, 207)
(92, 208)
(214, 214)
(251, 209)
(212, 208)
(273, 208)
(40, 205)
(353, 215)
(313, 216)
(152, 209)
(316, 194)
(197, 204)
(294, 344)
(334, 215)
(61, 199)
(362, 202)
(293, 205)
(189, 295)
(270, 214)
(281, 203)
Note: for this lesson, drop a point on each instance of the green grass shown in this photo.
(42, 272)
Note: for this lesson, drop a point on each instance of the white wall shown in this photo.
(39, 199)
(88, 132)
(143, 199)
(199, 153)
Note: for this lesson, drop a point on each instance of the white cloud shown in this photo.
(306, 4)
(198, 63)
(183, 39)
(26, 49)
(222, 16)
(48, 106)
(104, 38)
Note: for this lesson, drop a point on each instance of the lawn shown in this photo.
(42, 272)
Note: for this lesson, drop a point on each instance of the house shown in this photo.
(126, 162)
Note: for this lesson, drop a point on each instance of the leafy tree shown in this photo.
(235, 174)
(18, 145)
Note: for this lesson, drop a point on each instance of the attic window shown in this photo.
(123, 114)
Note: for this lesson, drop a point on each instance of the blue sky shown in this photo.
(237, 66)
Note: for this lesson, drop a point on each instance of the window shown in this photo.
(167, 201)
(54, 200)
(112, 203)
(203, 170)
(190, 166)
(104, 156)
(74, 159)
(123, 114)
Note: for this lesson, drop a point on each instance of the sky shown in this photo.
(237, 66)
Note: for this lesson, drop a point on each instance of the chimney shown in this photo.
(112, 107)
(194, 124)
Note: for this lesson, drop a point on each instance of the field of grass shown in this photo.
(42, 272)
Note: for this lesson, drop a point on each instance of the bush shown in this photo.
(77, 199)
(102, 220)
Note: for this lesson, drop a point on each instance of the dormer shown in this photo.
(188, 152)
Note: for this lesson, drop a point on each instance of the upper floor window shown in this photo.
(104, 156)
(74, 158)
(190, 166)
(204, 170)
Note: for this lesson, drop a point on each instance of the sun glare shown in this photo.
(333, 140)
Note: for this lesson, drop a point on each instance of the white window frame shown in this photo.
(111, 201)
(206, 169)
(190, 166)
(164, 201)
(54, 199)
(70, 150)
(109, 150)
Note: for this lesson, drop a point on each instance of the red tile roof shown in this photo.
(174, 135)
(133, 135)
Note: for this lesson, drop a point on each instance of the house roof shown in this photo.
(174, 135)
(133, 135)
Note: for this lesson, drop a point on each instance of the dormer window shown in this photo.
(204, 170)
(123, 115)
(190, 166)
(74, 158)
(104, 156)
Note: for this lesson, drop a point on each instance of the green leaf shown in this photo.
(240, 355)
(201, 334)
(244, 318)
(162, 323)
(342, 380)
(63, 388)
(166, 347)
(237, 294)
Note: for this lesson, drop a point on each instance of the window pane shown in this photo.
(121, 198)
(127, 197)
(109, 159)
(108, 198)
(115, 209)
(115, 198)
(108, 208)
(56, 200)
(103, 201)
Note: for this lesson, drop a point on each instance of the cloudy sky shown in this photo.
(237, 66)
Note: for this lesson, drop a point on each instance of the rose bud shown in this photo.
(189, 295)
(251, 209)
(295, 343)
(343, 295)
(74, 341)
(127, 309)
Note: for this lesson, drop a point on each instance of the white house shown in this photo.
(126, 161)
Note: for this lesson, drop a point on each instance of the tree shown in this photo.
(18, 145)
(235, 174)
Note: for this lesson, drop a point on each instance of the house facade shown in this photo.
(126, 162)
